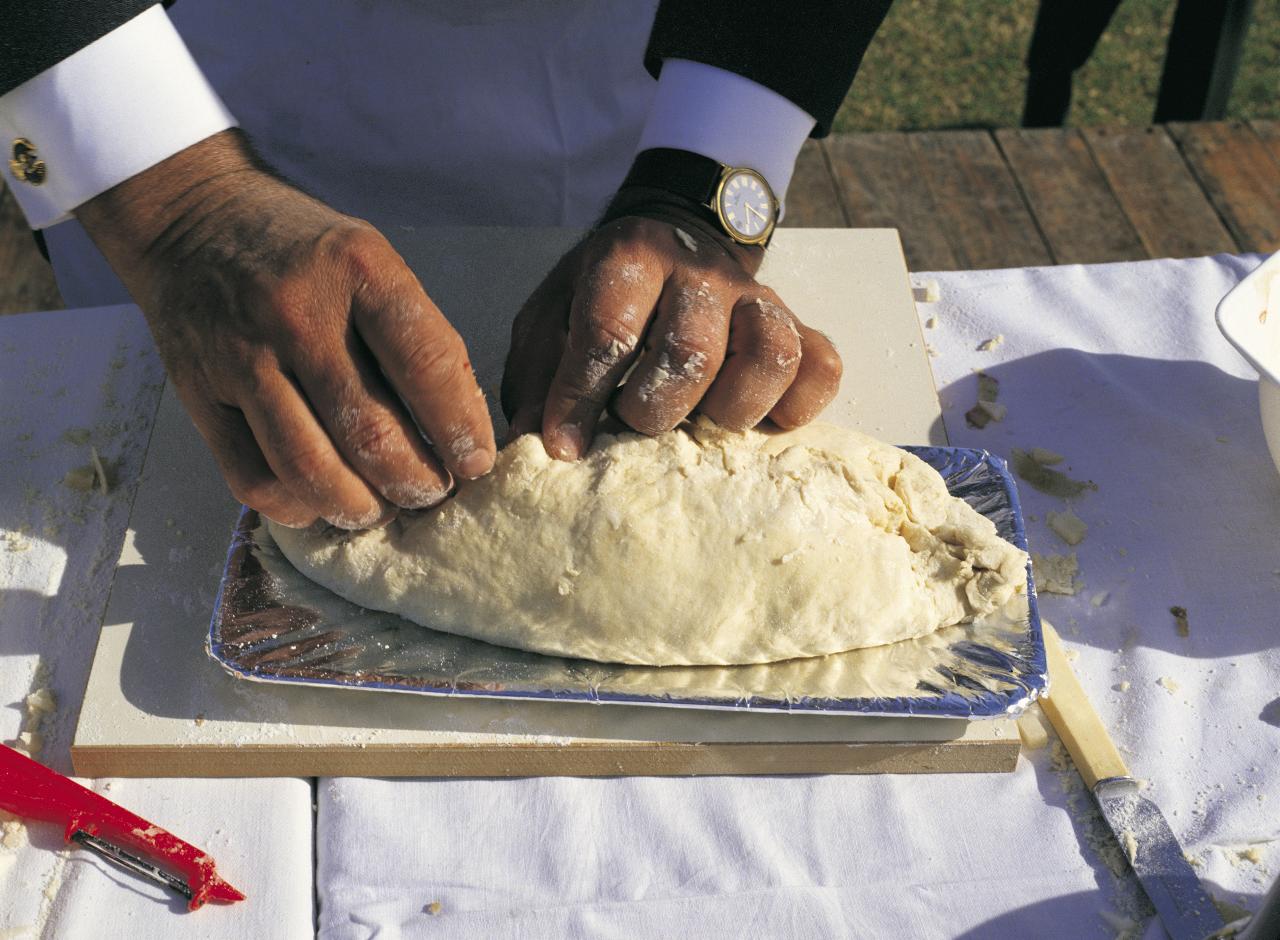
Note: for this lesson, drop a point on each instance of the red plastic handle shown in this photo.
(33, 791)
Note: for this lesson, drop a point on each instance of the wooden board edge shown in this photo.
(578, 760)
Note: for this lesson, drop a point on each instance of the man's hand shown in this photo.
(664, 291)
(303, 347)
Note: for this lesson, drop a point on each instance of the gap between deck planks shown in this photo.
(976, 199)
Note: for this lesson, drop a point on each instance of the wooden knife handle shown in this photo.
(1073, 717)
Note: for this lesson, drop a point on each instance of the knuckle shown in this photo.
(270, 499)
(824, 363)
(620, 266)
(776, 349)
(436, 362)
(770, 309)
(303, 464)
(288, 303)
(369, 437)
(260, 373)
(688, 352)
(359, 246)
(607, 340)
(700, 299)
(261, 495)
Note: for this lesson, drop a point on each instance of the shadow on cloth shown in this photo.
(1187, 499)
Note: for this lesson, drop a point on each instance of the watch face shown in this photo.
(745, 205)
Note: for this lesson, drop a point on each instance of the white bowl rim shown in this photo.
(1231, 329)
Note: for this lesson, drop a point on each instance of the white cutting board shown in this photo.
(156, 705)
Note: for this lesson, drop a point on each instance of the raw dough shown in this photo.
(698, 546)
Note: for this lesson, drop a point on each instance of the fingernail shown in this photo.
(475, 464)
(566, 442)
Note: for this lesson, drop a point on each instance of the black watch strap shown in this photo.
(682, 172)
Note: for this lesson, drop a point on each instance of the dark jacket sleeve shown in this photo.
(38, 34)
(807, 51)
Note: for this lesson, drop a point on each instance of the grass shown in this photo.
(946, 64)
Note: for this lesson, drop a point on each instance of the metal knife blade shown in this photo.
(1185, 908)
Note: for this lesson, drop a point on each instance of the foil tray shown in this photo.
(273, 624)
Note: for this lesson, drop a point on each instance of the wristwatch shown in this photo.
(737, 198)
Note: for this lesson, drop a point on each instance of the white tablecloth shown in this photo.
(1118, 367)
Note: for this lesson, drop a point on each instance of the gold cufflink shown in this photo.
(26, 165)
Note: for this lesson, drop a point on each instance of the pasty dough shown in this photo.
(698, 546)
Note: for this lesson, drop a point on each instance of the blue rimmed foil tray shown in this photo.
(273, 624)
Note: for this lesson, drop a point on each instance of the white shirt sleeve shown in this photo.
(106, 113)
(728, 118)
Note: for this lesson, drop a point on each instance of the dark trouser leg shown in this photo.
(1202, 59)
(1065, 35)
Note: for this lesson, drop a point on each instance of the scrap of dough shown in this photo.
(1032, 730)
(698, 546)
(1045, 457)
(1056, 574)
(1067, 526)
(13, 834)
(995, 411)
(1130, 844)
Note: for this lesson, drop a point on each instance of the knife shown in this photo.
(1185, 908)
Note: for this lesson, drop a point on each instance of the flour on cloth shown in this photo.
(699, 546)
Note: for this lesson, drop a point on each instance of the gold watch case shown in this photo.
(717, 205)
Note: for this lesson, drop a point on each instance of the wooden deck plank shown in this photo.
(1157, 191)
(1241, 176)
(26, 280)
(978, 204)
(811, 199)
(1269, 131)
(1075, 208)
(879, 185)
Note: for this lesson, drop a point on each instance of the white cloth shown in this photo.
(1120, 368)
(493, 113)
(70, 381)
(114, 108)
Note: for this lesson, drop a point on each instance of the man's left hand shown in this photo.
(666, 292)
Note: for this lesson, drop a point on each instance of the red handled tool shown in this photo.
(32, 791)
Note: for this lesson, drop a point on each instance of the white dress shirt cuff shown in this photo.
(106, 113)
(728, 118)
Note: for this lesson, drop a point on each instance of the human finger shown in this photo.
(303, 457)
(685, 350)
(762, 361)
(243, 466)
(371, 427)
(816, 383)
(611, 307)
(538, 336)
(427, 363)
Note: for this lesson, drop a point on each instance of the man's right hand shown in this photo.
(305, 350)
